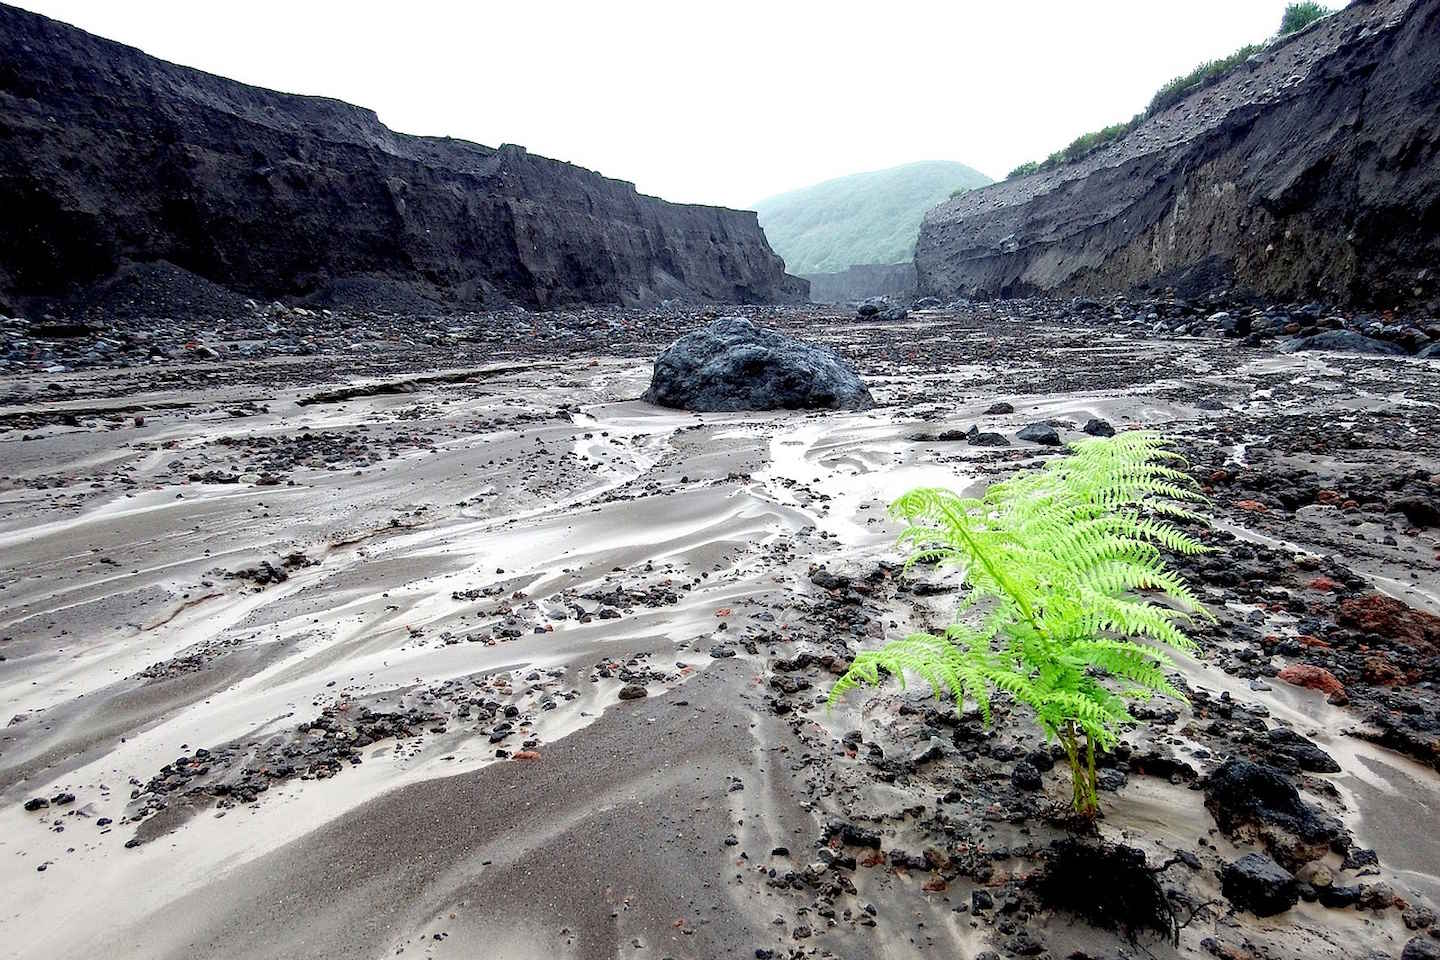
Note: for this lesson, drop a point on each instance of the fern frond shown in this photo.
(1067, 559)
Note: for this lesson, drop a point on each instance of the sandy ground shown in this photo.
(461, 543)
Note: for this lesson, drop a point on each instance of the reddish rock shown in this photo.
(1383, 673)
(1325, 585)
(527, 755)
(1313, 677)
(1254, 506)
(1390, 618)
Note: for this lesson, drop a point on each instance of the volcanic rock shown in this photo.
(1259, 884)
(1421, 948)
(1041, 433)
(734, 365)
(1253, 803)
(1342, 341)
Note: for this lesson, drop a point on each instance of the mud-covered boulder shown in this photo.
(734, 365)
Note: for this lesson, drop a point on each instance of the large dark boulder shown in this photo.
(1254, 803)
(1260, 885)
(734, 365)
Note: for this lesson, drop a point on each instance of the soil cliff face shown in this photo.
(109, 157)
(1311, 171)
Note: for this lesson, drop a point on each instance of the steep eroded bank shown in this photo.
(1312, 170)
(109, 157)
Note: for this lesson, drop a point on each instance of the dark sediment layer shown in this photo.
(110, 157)
(1313, 170)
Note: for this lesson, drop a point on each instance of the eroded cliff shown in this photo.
(110, 157)
(1313, 170)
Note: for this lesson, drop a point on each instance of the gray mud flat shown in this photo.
(515, 665)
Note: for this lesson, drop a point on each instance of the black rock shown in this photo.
(734, 365)
(1001, 408)
(981, 900)
(1344, 341)
(36, 803)
(1099, 428)
(1338, 896)
(1025, 777)
(1306, 754)
(1419, 511)
(977, 439)
(1110, 780)
(1251, 801)
(633, 691)
(826, 580)
(1421, 948)
(1041, 433)
(1259, 884)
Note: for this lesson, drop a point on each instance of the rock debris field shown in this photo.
(341, 635)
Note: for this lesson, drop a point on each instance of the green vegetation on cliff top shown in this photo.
(1297, 17)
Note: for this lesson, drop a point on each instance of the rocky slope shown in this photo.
(1311, 171)
(110, 157)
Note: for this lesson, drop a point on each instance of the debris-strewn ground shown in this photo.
(439, 642)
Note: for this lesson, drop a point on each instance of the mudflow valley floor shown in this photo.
(492, 659)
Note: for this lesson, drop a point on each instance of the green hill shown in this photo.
(863, 218)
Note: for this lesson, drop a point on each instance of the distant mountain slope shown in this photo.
(863, 218)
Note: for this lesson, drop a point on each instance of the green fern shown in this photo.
(1068, 564)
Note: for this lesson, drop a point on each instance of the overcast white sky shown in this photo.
(721, 102)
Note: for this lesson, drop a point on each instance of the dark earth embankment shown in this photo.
(110, 157)
(1313, 170)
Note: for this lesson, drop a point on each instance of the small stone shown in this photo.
(1041, 433)
(1421, 948)
(1419, 917)
(1099, 428)
(633, 691)
(1024, 776)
